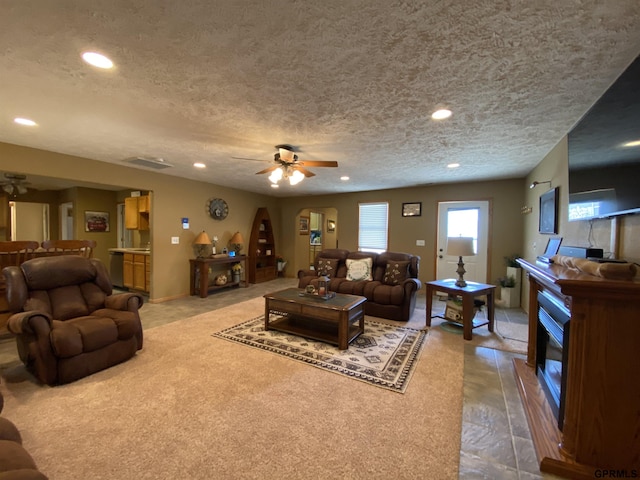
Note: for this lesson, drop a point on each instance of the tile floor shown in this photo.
(496, 443)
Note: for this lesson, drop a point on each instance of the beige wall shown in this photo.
(173, 198)
(617, 236)
(505, 236)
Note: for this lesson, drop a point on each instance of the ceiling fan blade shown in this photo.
(306, 172)
(252, 159)
(317, 163)
(267, 170)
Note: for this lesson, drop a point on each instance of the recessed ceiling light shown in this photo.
(441, 114)
(199, 165)
(344, 178)
(635, 143)
(453, 165)
(97, 60)
(25, 121)
(275, 185)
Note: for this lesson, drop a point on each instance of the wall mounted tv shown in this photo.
(604, 163)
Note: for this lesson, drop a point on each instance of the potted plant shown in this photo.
(236, 271)
(280, 263)
(509, 291)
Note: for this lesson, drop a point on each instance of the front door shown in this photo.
(466, 219)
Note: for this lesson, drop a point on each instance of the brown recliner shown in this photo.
(67, 322)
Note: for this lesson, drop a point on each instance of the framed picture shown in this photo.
(331, 226)
(304, 226)
(96, 221)
(548, 222)
(412, 209)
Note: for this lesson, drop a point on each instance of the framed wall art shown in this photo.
(96, 221)
(304, 226)
(412, 209)
(548, 222)
(331, 226)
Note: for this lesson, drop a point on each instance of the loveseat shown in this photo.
(388, 280)
(15, 461)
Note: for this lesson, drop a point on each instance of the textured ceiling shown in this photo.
(353, 81)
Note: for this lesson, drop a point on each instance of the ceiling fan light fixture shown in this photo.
(286, 154)
(8, 188)
(276, 175)
(296, 177)
(21, 189)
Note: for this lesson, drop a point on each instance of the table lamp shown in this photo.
(201, 241)
(460, 247)
(237, 242)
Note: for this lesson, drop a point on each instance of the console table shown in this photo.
(601, 429)
(202, 265)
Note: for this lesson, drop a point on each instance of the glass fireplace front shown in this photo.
(552, 351)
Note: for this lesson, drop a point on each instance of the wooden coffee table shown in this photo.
(338, 320)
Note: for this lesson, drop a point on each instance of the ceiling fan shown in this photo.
(14, 183)
(288, 166)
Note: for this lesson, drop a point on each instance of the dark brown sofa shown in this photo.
(15, 461)
(391, 292)
(66, 321)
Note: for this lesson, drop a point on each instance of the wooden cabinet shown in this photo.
(136, 271)
(601, 428)
(262, 249)
(136, 212)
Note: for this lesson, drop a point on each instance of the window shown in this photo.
(373, 227)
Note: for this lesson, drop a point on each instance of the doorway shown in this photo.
(66, 221)
(29, 221)
(466, 219)
(315, 235)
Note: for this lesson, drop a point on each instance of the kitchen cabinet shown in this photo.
(136, 212)
(136, 271)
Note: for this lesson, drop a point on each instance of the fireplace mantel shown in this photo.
(602, 415)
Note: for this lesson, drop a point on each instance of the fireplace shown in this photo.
(552, 351)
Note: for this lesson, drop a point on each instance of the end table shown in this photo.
(468, 293)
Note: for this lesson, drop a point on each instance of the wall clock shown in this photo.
(217, 208)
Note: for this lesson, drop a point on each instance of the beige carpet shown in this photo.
(197, 407)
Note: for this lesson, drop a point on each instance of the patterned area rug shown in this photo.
(384, 355)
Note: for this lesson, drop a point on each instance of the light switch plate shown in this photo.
(419, 243)
(175, 240)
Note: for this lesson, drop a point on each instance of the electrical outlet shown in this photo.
(175, 240)
(419, 243)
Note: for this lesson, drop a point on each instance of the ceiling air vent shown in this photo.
(152, 162)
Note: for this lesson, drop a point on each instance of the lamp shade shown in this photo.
(237, 239)
(460, 246)
(202, 239)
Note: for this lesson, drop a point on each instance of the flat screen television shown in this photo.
(604, 164)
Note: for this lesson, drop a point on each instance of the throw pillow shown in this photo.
(395, 273)
(359, 269)
(327, 266)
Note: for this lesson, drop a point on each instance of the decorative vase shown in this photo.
(236, 277)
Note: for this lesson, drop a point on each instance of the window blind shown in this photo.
(373, 227)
